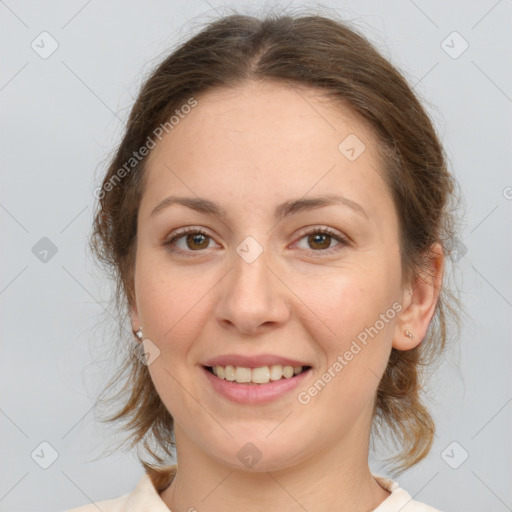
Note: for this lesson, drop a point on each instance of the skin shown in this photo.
(251, 148)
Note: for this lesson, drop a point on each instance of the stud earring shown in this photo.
(408, 333)
(139, 333)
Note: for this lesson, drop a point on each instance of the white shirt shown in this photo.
(145, 498)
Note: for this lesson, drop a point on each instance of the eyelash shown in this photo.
(318, 230)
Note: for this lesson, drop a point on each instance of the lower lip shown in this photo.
(254, 393)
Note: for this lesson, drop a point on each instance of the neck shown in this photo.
(336, 478)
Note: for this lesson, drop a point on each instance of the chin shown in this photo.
(249, 457)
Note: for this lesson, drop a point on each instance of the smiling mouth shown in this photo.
(258, 376)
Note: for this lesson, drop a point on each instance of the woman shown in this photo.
(277, 218)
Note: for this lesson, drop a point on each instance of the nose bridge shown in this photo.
(252, 294)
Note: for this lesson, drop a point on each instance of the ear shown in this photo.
(134, 318)
(419, 301)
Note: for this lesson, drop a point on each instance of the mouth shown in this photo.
(256, 376)
(255, 386)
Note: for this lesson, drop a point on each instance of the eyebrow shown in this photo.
(290, 207)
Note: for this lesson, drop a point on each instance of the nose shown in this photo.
(253, 297)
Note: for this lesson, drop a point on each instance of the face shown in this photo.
(318, 284)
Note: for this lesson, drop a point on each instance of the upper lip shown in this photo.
(254, 361)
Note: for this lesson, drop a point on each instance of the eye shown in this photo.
(320, 239)
(195, 239)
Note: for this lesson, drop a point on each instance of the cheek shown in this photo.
(358, 318)
(174, 304)
(348, 301)
(172, 301)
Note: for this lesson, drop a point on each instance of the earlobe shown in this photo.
(415, 318)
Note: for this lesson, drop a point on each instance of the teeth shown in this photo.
(276, 372)
(242, 374)
(229, 372)
(261, 375)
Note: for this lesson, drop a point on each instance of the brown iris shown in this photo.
(314, 238)
(195, 237)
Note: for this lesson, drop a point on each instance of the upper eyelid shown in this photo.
(180, 232)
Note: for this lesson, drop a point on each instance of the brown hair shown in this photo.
(323, 54)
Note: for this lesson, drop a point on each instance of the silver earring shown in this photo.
(139, 333)
(408, 333)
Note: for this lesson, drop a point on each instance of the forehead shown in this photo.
(268, 112)
(262, 141)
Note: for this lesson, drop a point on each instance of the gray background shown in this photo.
(62, 116)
